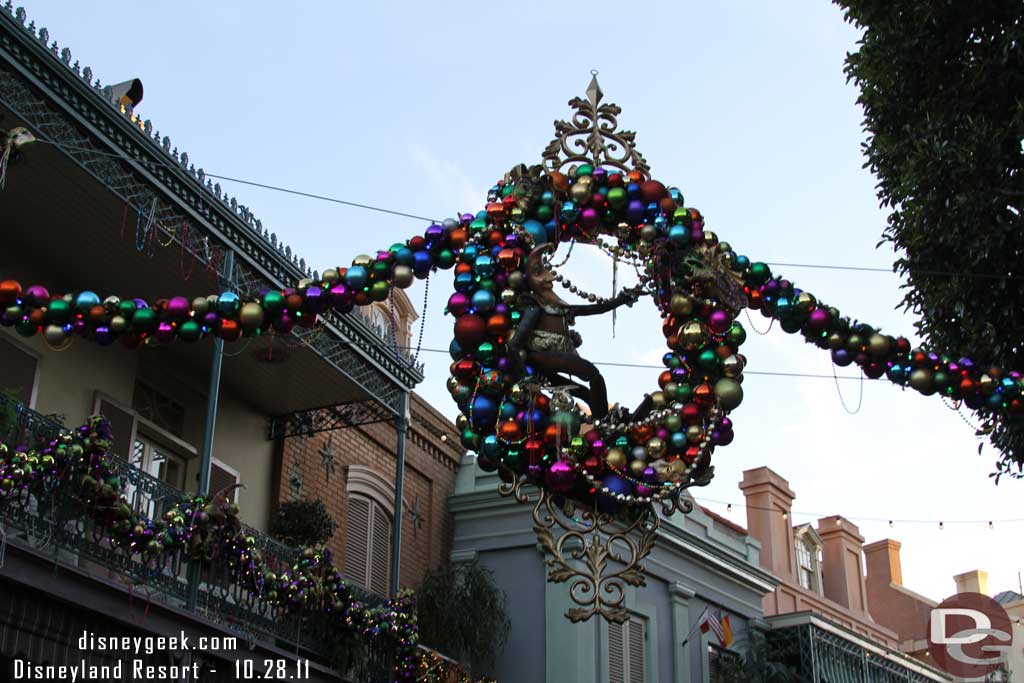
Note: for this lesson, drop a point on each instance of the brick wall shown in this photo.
(430, 467)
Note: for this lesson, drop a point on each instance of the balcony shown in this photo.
(51, 525)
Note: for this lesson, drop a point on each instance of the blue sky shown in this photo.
(744, 106)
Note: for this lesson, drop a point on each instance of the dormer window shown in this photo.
(808, 557)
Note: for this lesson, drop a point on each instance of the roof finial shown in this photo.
(592, 136)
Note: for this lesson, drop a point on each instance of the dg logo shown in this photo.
(969, 636)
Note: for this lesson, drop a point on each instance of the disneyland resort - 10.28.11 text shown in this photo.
(137, 668)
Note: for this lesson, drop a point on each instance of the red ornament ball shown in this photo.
(470, 330)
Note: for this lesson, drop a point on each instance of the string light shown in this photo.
(891, 522)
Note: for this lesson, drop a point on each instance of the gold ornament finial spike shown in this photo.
(594, 91)
(592, 136)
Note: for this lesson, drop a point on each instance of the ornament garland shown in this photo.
(207, 528)
(699, 285)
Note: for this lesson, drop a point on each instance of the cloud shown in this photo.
(452, 185)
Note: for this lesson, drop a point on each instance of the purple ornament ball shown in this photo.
(178, 308)
(165, 333)
(458, 303)
(560, 477)
(36, 295)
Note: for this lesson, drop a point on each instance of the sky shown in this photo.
(744, 106)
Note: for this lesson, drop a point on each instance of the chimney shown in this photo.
(975, 581)
(769, 501)
(842, 576)
(883, 562)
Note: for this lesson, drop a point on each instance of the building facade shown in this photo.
(828, 619)
(699, 561)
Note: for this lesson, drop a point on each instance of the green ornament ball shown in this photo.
(273, 303)
(729, 393)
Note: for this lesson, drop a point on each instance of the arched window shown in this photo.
(368, 529)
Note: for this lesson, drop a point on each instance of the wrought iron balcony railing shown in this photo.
(51, 523)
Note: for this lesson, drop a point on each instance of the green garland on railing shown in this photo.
(206, 528)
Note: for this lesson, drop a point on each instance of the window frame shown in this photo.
(37, 372)
(374, 511)
(807, 543)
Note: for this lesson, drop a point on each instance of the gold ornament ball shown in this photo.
(201, 305)
(676, 470)
(508, 297)
(615, 458)
(879, 345)
(461, 422)
(251, 315)
(330, 275)
(658, 399)
(516, 280)
(694, 433)
(710, 239)
(681, 304)
(732, 366)
(362, 260)
(655, 447)
(805, 302)
(580, 193)
(118, 324)
(637, 467)
(988, 384)
(836, 341)
(692, 336)
(402, 276)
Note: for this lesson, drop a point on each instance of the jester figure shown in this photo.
(545, 340)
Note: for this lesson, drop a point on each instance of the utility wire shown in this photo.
(645, 366)
(394, 212)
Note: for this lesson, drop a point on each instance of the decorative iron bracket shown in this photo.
(342, 416)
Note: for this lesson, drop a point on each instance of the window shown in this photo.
(808, 562)
(368, 544)
(627, 651)
(148, 447)
(153, 405)
(18, 372)
(160, 462)
(224, 478)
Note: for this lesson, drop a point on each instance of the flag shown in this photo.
(713, 623)
(726, 631)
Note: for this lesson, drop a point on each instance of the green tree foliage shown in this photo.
(462, 613)
(302, 523)
(942, 87)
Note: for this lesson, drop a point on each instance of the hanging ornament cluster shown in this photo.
(205, 529)
(519, 424)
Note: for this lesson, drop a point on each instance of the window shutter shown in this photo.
(357, 538)
(122, 425)
(616, 653)
(17, 371)
(637, 630)
(380, 552)
(220, 479)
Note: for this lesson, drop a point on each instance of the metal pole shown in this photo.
(401, 427)
(206, 454)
